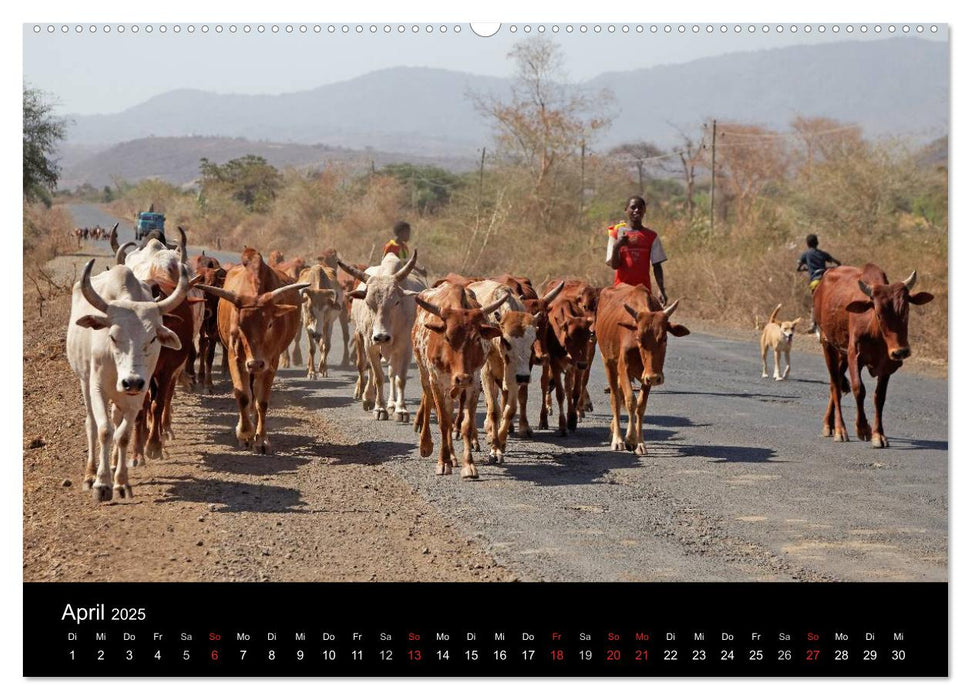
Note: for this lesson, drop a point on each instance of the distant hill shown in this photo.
(898, 86)
(176, 159)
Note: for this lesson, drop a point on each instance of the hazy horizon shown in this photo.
(69, 65)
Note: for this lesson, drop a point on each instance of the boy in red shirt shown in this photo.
(632, 250)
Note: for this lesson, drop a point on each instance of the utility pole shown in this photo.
(583, 185)
(711, 203)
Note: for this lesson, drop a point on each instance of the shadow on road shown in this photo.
(909, 444)
(728, 453)
(234, 496)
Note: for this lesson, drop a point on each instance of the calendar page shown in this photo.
(514, 349)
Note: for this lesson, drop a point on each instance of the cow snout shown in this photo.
(132, 385)
(381, 337)
(522, 379)
(255, 365)
(900, 354)
(461, 379)
(653, 379)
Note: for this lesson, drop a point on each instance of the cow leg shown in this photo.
(209, 359)
(630, 403)
(443, 408)
(544, 386)
(863, 430)
(189, 369)
(244, 401)
(122, 436)
(262, 386)
(154, 447)
(91, 430)
(324, 347)
(399, 380)
(638, 419)
(613, 384)
(470, 437)
(574, 387)
(295, 355)
(879, 439)
(361, 365)
(374, 394)
(422, 422)
(167, 412)
(101, 487)
(833, 420)
(560, 395)
(524, 431)
(311, 353)
(345, 334)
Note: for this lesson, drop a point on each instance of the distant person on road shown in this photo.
(398, 245)
(814, 261)
(633, 250)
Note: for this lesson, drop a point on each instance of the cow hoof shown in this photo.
(865, 434)
(571, 423)
(311, 375)
(641, 449)
(381, 414)
(840, 436)
(544, 424)
(827, 431)
(524, 433)
(402, 416)
(469, 473)
(879, 440)
(368, 405)
(778, 379)
(561, 432)
(443, 469)
(101, 494)
(153, 451)
(245, 444)
(425, 450)
(86, 484)
(123, 491)
(475, 446)
(765, 376)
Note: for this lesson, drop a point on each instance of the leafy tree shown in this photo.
(249, 180)
(428, 186)
(42, 132)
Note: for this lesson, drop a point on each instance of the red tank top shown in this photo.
(635, 257)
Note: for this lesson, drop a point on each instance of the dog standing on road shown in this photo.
(777, 336)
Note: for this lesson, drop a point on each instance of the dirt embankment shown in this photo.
(321, 508)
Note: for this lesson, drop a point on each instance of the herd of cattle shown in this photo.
(95, 234)
(157, 316)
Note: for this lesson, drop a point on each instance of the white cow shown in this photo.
(383, 312)
(114, 337)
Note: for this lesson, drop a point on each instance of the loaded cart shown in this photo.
(149, 221)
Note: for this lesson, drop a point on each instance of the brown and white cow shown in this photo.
(507, 366)
(322, 304)
(383, 311)
(632, 331)
(451, 337)
(539, 310)
(114, 336)
(863, 322)
(258, 316)
(347, 284)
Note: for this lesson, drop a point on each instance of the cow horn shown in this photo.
(113, 238)
(122, 253)
(288, 288)
(865, 288)
(671, 308)
(353, 271)
(631, 311)
(552, 294)
(183, 243)
(401, 274)
(911, 281)
(220, 292)
(178, 296)
(87, 289)
(486, 310)
(428, 306)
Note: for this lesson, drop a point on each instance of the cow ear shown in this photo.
(358, 294)
(95, 322)
(489, 332)
(437, 327)
(677, 330)
(859, 307)
(168, 338)
(628, 326)
(283, 309)
(920, 298)
(172, 319)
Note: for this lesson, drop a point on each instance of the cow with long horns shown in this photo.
(114, 337)
(383, 311)
(258, 316)
(863, 322)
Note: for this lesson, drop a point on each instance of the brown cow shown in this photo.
(521, 286)
(568, 338)
(862, 320)
(213, 275)
(632, 331)
(292, 268)
(583, 299)
(258, 316)
(450, 337)
(539, 310)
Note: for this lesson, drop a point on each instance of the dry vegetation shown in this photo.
(542, 202)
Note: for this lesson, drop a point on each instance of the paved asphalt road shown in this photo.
(737, 485)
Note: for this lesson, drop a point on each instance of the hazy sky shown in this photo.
(107, 72)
